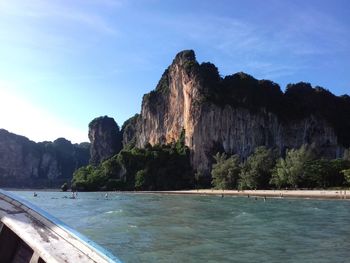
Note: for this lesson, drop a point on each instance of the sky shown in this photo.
(65, 62)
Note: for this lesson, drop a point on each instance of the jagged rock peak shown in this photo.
(105, 138)
(184, 56)
(102, 121)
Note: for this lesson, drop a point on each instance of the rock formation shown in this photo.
(129, 130)
(237, 113)
(234, 114)
(24, 163)
(105, 139)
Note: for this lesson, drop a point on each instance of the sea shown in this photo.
(193, 228)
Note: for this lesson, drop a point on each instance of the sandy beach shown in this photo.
(343, 194)
(315, 194)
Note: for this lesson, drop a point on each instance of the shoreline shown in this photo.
(305, 194)
(32, 189)
(343, 194)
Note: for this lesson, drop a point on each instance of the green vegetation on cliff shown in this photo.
(299, 101)
(302, 100)
(128, 131)
(242, 90)
(167, 167)
(158, 167)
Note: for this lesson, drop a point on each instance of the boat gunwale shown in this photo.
(29, 208)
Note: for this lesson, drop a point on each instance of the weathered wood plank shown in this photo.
(48, 240)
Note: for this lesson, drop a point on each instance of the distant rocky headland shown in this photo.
(191, 115)
(24, 163)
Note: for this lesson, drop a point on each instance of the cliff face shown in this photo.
(105, 139)
(26, 163)
(173, 106)
(238, 131)
(235, 114)
(129, 131)
(19, 157)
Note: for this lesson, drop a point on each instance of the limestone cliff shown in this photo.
(240, 131)
(105, 139)
(24, 163)
(129, 131)
(173, 106)
(237, 113)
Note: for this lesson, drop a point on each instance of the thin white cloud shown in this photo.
(22, 117)
(55, 11)
(221, 33)
(107, 3)
(272, 70)
(303, 33)
(47, 33)
(312, 32)
(247, 45)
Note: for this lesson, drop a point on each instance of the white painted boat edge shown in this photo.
(65, 229)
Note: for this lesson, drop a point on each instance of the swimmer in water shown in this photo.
(35, 194)
(106, 195)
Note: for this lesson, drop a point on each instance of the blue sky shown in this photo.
(63, 63)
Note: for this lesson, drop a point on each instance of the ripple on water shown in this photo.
(156, 228)
(115, 211)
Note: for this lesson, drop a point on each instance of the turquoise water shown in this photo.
(165, 228)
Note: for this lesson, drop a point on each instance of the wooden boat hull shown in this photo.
(30, 235)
